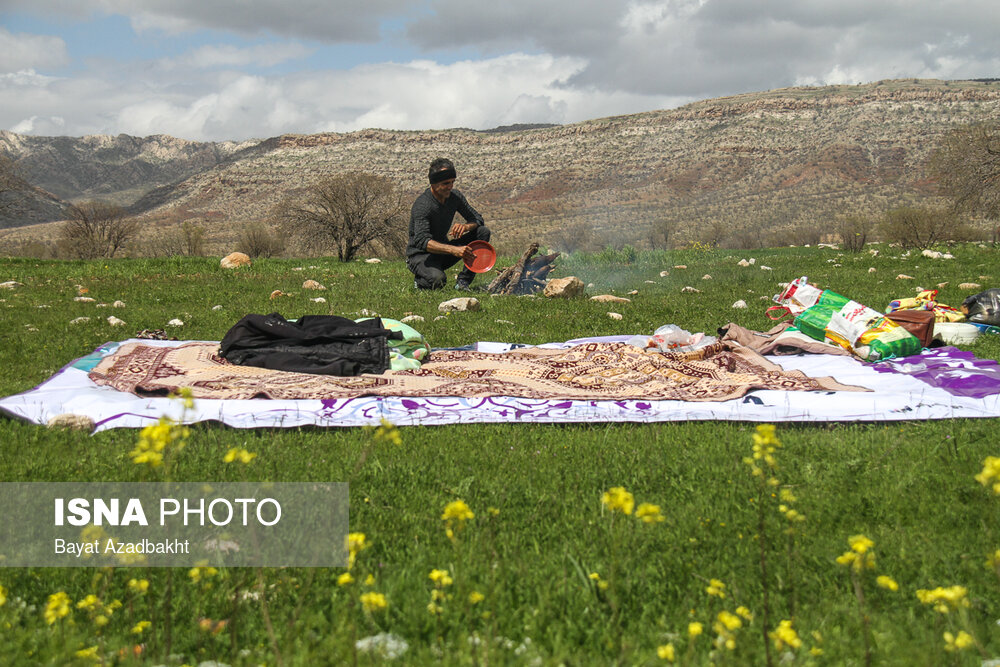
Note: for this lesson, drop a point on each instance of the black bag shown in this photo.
(983, 308)
(320, 344)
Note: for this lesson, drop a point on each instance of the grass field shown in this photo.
(545, 572)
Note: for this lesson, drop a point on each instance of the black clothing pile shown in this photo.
(320, 344)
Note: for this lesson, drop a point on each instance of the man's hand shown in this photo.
(460, 229)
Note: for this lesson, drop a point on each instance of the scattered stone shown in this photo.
(217, 307)
(664, 274)
(650, 282)
(71, 421)
(934, 254)
(942, 285)
(235, 259)
(373, 260)
(680, 266)
(984, 277)
(969, 286)
(743, 262)
(11, 284)
(873, 253)
(752, 261)
(610, 298)
(101, 305)
(765, 268)
(115, 322)
(299, 268)
(589, 286)
(740, 304)
(175, 323)
(43, 305)
(80, 320)
(440, 317)
(706, 277)
(633, 292)
(318, 299)
(84, 299)
(349, 275)
(312, 284)
(118, 304)
(563, 288)
(505, 322)
(383, 645)
(459, 305)
(368, 313)
(871, 269)
(412, 318)
(690, 290)
(81, 290)
(276, 293)
(31, 327)
(615, 316)
(903, 276)
(837, 266)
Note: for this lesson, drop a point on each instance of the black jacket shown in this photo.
(321, 344)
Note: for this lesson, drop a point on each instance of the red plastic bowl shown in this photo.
(485, 257)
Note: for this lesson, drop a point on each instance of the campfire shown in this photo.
(527, 276)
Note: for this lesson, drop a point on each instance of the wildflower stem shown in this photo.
(859, 594)
(765, 600)
(266, 615)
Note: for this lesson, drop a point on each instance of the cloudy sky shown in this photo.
(239, 69)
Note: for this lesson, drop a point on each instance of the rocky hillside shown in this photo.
(754, 168)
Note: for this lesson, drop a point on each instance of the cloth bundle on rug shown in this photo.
(324, 344)
(596, 371)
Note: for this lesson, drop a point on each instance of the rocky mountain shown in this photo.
(748, 169)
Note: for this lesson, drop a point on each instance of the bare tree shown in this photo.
(967, 166)
(347, 213)
(97, 229)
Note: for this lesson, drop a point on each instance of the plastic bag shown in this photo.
(671, 338)
(983, 308)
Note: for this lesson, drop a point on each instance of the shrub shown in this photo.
(854, 231)
(259, 240)
(922, 228)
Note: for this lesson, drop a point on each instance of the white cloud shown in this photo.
(226, 55)
(25, 52)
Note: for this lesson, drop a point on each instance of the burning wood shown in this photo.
(528, 276)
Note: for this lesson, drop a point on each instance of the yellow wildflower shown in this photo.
(3, 595)
(786, 496)
(887, 582)
(729, 620)
(440, 578)
(140, 627)
(990, 476)
(944, 599)
(716, 588)
(785, 635)
(957, 642)
(373, 601)
(618, 499)
(649, 513)
(57, 607)
(370, 580)
(355, 543)
(859, 543)
(601, 583)
(744, 613)
(88, 603)
(345, 579)
(387, 432)
(89, 653)
(238, 454)
(666, 652)
(475, 597)
(186, 396)
(694, 629)
(458, 511)
(493, 511)
(139, 586)
(156, 438)
(434, 608)
(199, 573)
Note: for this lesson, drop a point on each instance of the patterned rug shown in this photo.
(590, 371)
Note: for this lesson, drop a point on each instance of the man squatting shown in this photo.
(436, 243)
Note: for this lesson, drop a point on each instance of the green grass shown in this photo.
(909, 487)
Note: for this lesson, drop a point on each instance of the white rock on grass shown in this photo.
(706, 277)
(690, 290)
(610, 298)
(680, 266)
(743, 262)
(942, 285)
(563, 288)
(412, 318)
(11, 284)
(752, 261)
(175, 323)
(664, 274)
(633, 292)
(217, 307)
(615, 316)
(118, 304)
(505, 322)
(383, 645)
(373, 260)
(80, 320)
(84, 299)
(871, 269)
(235, 259)
(318, 299)
(740, 304)
(368, 313)
(765, 268)
(312, 284)
(69, 420)
(969, 286)
(903, 276)
(649, 282)
(115, 322)
(459, 305)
